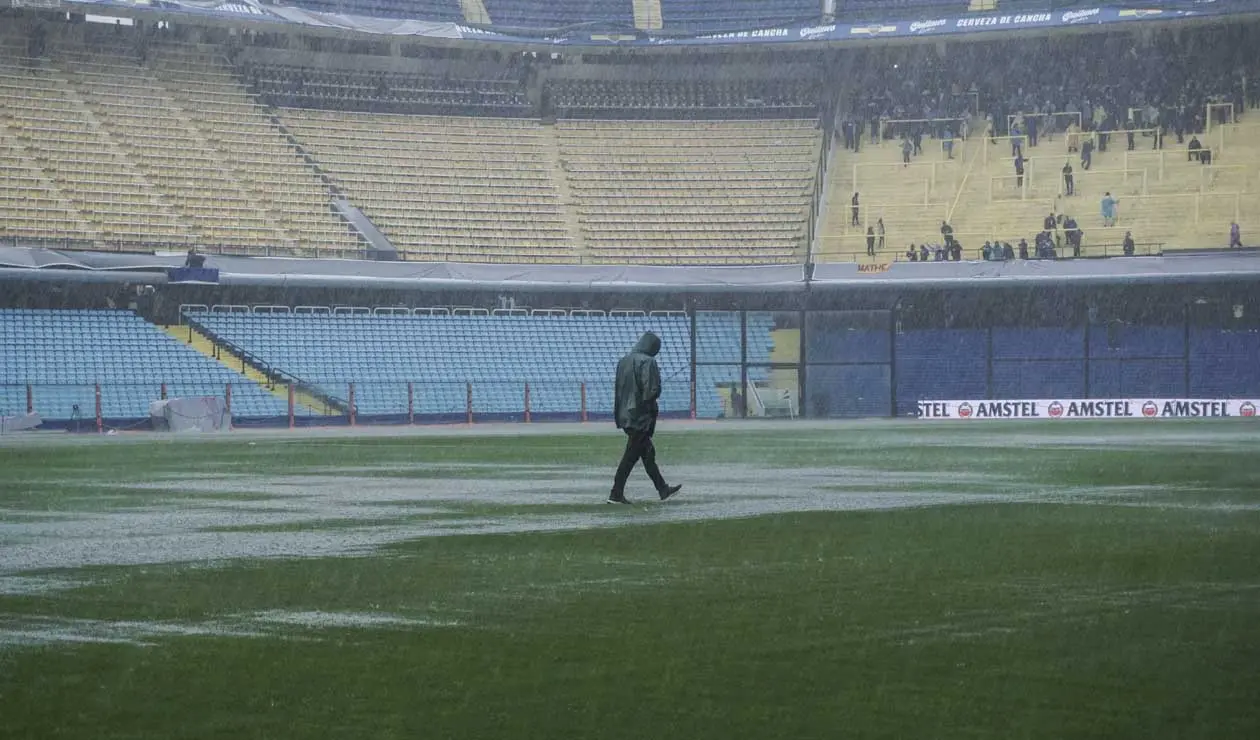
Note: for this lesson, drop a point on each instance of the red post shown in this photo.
(291, 397)
(411, 404)
(100, 422)
(30, 399)
(352, 404)
(693, 400)
(469, 403)
(527, 419)
(164, 391)
(227, 402)
(584, 402)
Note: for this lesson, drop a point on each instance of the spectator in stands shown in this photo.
(879, 231)
(939, 252)
(1194, 149)
(855, 208)
(923, 253)
(1205, 156)
(956, 250)
(847, 129)
(948, 143)
(1109, 209)
(1235, 236)
(1008, 253)
(194, 260)
(1087, 153)
(1074, 233)
(1129, 246)
(1048, 222)
(986, 251)
(1023, 249)
(1031, 124)
(947, 232)
(870, 241)
(1073, 137)
(906, 149)
(1017, 141)
(638, 388)
(1044, 246)
(912, 254)
(1069, 182)
(1130, 129)
(918, 141)
(1019, 170)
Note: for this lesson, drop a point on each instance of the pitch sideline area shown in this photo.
(1002, 578)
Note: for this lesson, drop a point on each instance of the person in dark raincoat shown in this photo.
(637, 390)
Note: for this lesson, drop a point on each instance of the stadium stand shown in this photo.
(558, 13)
(160, 139)
(430, 10)
(63, 354)
(385, 92)
(776, 98)
(688, 191)
(496, 355)
(1094, 88)
(90, 187)
(718, 15)
(454, 188)
(245, 139)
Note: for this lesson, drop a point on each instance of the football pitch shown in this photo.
(876, 579)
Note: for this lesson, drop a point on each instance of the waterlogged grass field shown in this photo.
(910, 580)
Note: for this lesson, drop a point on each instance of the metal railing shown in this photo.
(98, 407)
(1107, 250)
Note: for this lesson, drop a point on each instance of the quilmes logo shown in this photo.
(965, 411)
(871, 30)
(921, 26)
(1055, 410)
(1150, 409)
(1076, 16)
(813, 32)
(1247, 409)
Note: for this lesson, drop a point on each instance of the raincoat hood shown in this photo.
(649, 344)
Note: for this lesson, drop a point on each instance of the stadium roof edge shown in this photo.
(229, 14)
(45, 265)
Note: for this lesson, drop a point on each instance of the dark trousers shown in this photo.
(1069, 185)
(638, 447)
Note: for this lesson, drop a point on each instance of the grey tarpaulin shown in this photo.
(196, 414)
(46, 264)
(19, 423)
(296, 272)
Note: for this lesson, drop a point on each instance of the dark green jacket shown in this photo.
(638, 386)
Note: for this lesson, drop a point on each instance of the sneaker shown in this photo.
(616, 499)
(670, 491)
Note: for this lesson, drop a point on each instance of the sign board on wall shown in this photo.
(1090, 408)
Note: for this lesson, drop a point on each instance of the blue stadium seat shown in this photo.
(558, 13)
(715, 15)
(63, 355)
(429, 10)
(441, 355)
